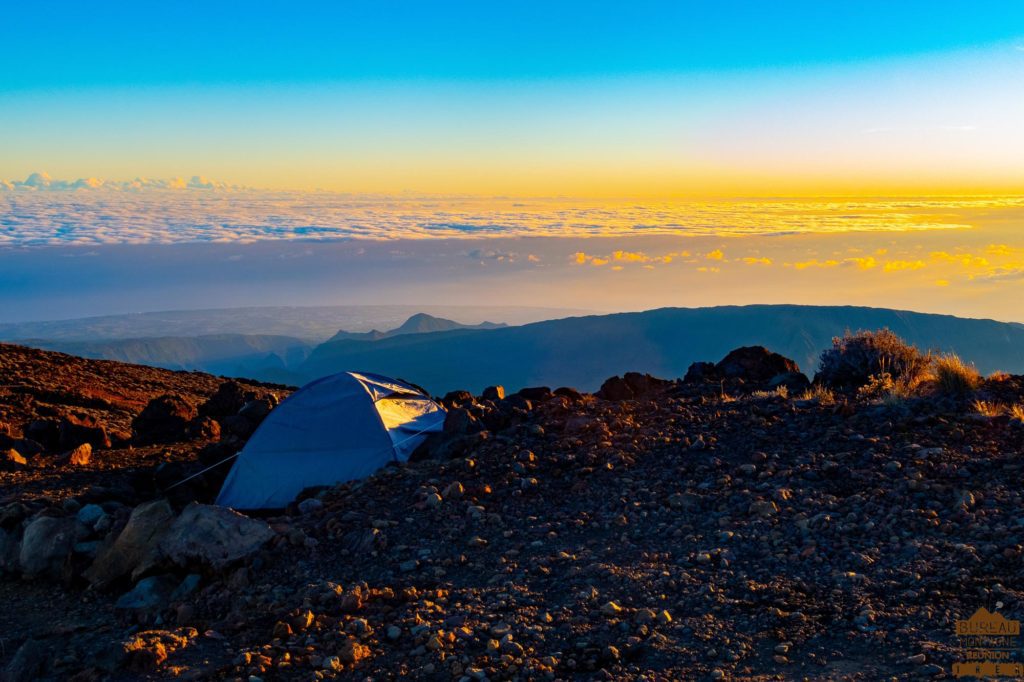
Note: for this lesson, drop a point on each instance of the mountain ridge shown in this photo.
(420, 323)
(664, 341)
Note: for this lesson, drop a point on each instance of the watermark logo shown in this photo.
(990, 642)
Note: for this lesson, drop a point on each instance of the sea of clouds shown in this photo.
(44, 211)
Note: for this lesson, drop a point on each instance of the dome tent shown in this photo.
(338, 428)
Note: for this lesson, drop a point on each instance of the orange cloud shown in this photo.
(862, 263)
(622, 256)
(966, 259)
(815, 263)
(894, 265)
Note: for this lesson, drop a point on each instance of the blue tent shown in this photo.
(338, 428)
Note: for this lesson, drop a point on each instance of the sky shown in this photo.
(806, 134)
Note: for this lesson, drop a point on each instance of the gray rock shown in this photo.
(47, 543)
(149, 594)
(136, 549)
(309, 505)
(89, 548)
(187, 587)
(90, 514)
(213, 536)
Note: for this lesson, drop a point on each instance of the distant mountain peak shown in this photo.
(418, 323)
(424, 322)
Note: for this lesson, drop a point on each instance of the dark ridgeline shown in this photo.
(582, 351)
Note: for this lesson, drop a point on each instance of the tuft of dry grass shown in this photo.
(823, 394)
(953, 376)
(1017, 412)
(988, 408)
(889, 389)
(999, 376)
(780, 392)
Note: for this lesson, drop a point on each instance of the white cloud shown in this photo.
(95, 211)
(491, 254)
(42, 181)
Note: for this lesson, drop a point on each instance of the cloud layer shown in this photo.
(40, 210)
(42, 182)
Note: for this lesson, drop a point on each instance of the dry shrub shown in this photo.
(855, 359)
(953, 376)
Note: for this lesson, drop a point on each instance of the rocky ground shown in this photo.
(658, 530)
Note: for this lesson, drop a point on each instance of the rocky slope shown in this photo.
(659, 529)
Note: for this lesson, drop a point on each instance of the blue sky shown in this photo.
(634, 99)
(82, 45)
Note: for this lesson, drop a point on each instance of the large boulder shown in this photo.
(699, 372)
(164, 420)
(792, 381)
(535, 394)
(230, 397)
(569, 392)
(456, 399)
(46, 432)
(75, 429)
(47, 542)
(136, 548)
(755, 364)
(630, 386)
(494, 393)
(204, 428)
(213, 536)
(257, 410)
(237, 426)
(459, 420)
